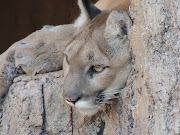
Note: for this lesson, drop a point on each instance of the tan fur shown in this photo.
(97, 42)
(40, 52)
(87, 42)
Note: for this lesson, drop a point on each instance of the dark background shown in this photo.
(19, 18)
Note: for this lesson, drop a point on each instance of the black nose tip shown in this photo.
(73, 100)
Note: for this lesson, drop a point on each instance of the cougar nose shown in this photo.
(73, 101)
(72, 98)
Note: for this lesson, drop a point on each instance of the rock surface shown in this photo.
(155, 46)
(34, 106)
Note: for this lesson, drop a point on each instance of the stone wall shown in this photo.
(34, 106)
(155, 46)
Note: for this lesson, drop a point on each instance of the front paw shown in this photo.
(8, 71)
(38, 53)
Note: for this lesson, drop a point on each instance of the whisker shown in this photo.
(104, 102)
(113, 97)
(105, 96)
(111, 92)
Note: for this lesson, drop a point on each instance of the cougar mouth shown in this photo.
(86, 107)
(70, 103)
(92, 105)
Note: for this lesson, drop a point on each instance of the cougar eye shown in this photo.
(95, 69)
(98, 68)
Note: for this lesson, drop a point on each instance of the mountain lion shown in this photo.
(94, 53)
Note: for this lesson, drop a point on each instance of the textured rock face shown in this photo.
(149, 105)
(155, 44)
(34, 106)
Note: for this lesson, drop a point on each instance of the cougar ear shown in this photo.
(118, 25)
(88, 12)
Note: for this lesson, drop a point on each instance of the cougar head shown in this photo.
(97, 60)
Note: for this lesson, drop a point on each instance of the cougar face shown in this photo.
(97, 61)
